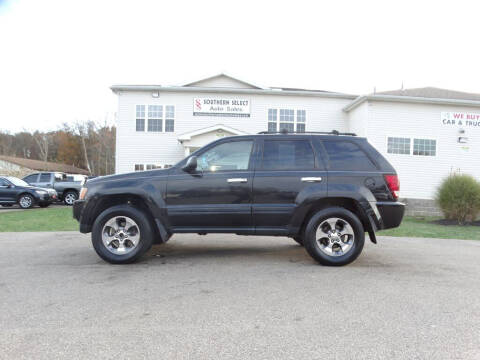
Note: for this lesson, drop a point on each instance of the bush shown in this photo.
(459, 198)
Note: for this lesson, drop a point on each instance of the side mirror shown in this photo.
(191, 164)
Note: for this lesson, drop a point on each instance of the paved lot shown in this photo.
(230, 297)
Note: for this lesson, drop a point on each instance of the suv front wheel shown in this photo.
(122, 234)
(334, 236)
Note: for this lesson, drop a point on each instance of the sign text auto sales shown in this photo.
(461, 119)
(221, 107)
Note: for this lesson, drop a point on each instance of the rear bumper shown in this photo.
(391, 214)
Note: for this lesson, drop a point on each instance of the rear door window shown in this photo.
(288, 155)
(347, 156)
(44, 178)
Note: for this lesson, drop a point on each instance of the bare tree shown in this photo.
(43, 141)
(82, 130)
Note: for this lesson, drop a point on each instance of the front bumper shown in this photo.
(391, 214)
(77, 209)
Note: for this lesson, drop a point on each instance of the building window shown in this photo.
(139, 167)
(155, 115)
(153, 166)
(272, 120)
(286, 120)
(169, 118)
(140, 117)
(398, 145)
(156, 118)
(424, 147)
(301, 120)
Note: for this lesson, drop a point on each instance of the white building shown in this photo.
(425, 133)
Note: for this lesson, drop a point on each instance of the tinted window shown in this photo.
(3, 182)
(233, 155)
(288, 155)
(31, 178)
(44, 178)
(345, 155)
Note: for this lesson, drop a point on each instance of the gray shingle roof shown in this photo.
(432, 93)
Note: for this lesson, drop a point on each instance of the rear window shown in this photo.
(346, 155)
(288, 155)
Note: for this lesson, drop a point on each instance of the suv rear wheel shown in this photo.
(70, 197)
(334, 236)
(122, 234)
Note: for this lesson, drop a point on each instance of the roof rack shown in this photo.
(286, 132)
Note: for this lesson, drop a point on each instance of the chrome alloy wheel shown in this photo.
(120, 235)
(70, 198)
(25, 202)
(335, 237)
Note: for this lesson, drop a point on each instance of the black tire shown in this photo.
(68, 196)
(144, 226)
(44, 205)
(26, 201)
(299, 240)
(313, 248)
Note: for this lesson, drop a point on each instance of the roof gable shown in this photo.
(221, 127)
(223, 81)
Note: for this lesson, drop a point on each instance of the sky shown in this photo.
(58, 58)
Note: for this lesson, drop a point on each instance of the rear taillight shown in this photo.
(393, 184)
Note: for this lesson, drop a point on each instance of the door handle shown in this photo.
(311, 179)
(237, 180)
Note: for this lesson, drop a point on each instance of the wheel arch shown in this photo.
(355, 206)
(106, 201)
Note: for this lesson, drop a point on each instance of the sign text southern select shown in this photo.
(221, 107)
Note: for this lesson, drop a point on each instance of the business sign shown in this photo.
(221, 107)
(462, 119)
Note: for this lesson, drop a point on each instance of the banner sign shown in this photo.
(461, 119)
(221, 107)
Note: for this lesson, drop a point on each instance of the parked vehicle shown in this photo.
(16, 191)
(324, 191)
(66, 186)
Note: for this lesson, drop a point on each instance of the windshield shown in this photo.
(16, 181)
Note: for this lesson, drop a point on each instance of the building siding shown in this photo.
(420, 176)
(323, 114)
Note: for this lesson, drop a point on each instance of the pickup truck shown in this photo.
(65, 185)
(323, 190)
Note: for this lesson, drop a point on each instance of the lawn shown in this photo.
(423, 227)
(59, 218)
(56, 218)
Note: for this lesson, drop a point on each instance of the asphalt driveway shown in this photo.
(231, 297)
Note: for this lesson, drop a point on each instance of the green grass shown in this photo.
(422, 227)
(48, 219)
(60, 219)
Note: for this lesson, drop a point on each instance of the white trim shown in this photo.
(409, 99)
(189, 135)
(227, 76)
(120, 88)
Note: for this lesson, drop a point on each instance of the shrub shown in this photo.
(459, 198)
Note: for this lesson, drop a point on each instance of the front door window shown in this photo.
(231, 156)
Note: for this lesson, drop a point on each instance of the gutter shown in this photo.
(409, 99)
(118, 88)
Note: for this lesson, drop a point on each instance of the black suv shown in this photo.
(324, 191)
